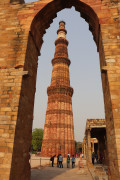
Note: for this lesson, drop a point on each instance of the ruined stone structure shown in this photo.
(58, 135)
(95, 140)
(94, 148)
(22, 27)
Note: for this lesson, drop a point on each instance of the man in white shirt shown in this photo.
(61, 160)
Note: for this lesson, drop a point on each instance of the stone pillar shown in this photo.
(84, 150)
(109, 61)
(89, 155)
(93, 147)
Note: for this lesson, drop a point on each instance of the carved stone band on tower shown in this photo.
(58, 135)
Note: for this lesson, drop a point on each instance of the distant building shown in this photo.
(95, 140)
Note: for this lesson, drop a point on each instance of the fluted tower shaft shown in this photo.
(58, 135)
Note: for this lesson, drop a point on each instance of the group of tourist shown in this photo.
(60, 161)
(72, 160)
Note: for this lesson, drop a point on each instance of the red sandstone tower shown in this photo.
(58, 129)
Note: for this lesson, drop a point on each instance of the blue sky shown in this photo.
(85, 74)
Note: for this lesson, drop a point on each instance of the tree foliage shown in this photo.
(78, 147)
(37, 136)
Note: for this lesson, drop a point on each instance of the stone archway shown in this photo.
(23, 26)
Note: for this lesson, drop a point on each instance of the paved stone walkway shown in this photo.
(54, 173)
(99, 172)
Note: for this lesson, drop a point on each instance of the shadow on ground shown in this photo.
(54, 173)
(48, 173)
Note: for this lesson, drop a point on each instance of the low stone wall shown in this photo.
(36, 161)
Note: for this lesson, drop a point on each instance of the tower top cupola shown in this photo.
(61, 31)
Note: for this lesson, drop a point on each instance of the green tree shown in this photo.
(78, 147)
(37, 136)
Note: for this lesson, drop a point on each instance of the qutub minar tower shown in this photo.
(58, 129)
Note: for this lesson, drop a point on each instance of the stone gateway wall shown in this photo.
(21, 30)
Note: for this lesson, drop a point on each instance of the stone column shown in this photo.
(89, 155)
(93, 147)
(85, 150)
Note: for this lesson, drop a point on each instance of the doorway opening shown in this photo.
(84, 72)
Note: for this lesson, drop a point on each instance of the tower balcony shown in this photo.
(62, 41)
(60, 90)
(61, 60)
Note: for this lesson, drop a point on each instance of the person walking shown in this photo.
(96, 157)
(68, 161)
(73, 161)
(52, 159)
(80, 164)
(61, 160)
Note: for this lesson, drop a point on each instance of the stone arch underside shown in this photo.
(45, 17)
(32, 20)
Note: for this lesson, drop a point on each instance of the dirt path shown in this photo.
(54, 173)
